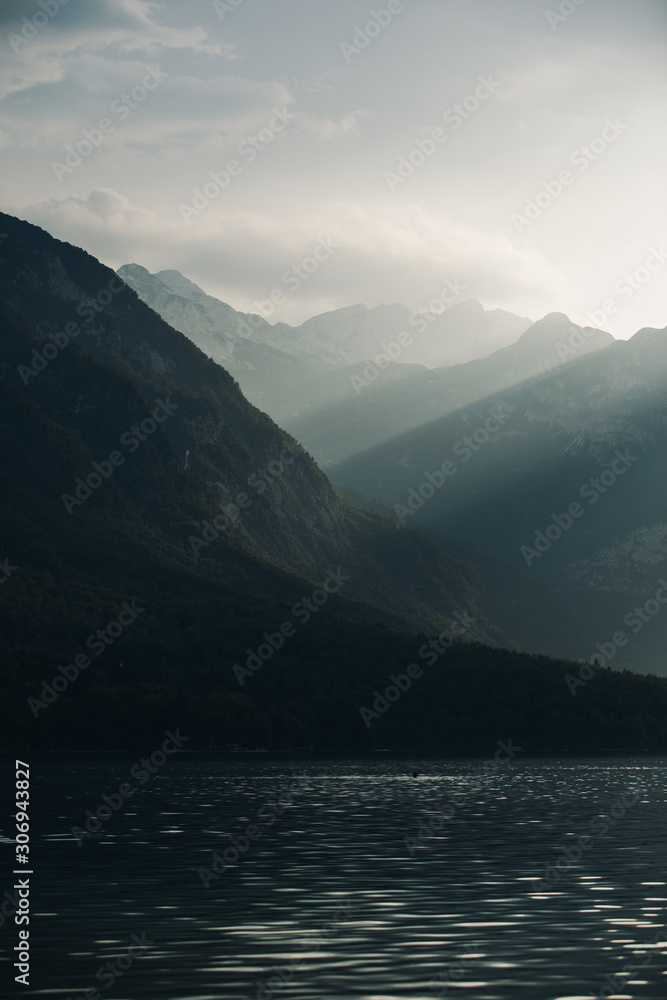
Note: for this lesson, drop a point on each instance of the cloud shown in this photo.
(103, 223)
(349, 125)
(385, 253)
(183, 116)
(325, 128)
(42, 53)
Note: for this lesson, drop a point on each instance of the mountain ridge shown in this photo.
(593, 433)
(219, 445)
(92, 376)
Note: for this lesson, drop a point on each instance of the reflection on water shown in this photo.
(238, 887)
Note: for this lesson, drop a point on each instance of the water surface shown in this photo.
(331, 901)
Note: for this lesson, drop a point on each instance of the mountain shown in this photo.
(171, 557)
(218, 454)
(269, 377)
(340, 337)
(131, 462)
(293, 373)
(381, 403)
(591, 433)
(463, 332)
(448, 333)
(320, 381)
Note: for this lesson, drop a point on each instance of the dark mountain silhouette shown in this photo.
(591, 432)
(163, 540)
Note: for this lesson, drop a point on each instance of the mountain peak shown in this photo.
(180, 284)
(135, 271)
(553, 326)
(471, 307)
(555, 317)
(649, 331)
(556, 330)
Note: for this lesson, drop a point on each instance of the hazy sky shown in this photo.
(351, 105)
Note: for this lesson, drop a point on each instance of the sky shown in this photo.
(374, 151)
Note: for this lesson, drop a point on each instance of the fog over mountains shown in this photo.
(353, 377)
(592, 433)
(512, 500)
(449, 332)
(564, 403)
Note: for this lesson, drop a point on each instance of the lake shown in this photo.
(261, 876)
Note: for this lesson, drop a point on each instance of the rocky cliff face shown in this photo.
(216, 482)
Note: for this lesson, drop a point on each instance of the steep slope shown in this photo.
(449, 333)
(268, 377)
(590, 434)
(121, 614)
(205, 454)
(295, 372)
(388, 400)
(464, 332)
(320, 381)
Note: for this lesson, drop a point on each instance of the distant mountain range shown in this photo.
(382, 404)
(321, 381)
(378, 429)
(199, 463)
(336, 339)
(133, 466)
(136, 475)
(593, 433)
